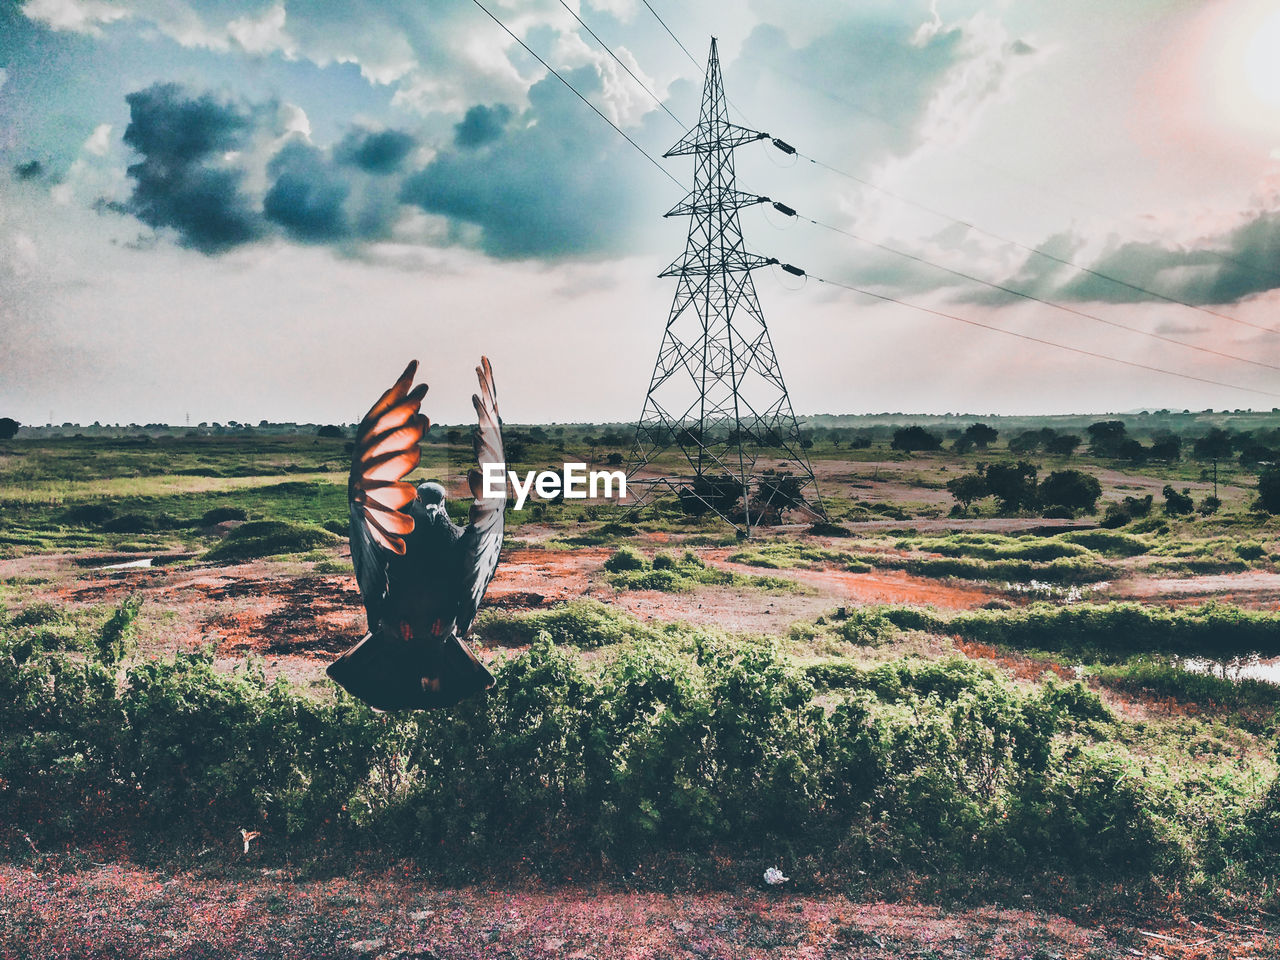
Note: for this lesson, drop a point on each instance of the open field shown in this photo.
(958, 732)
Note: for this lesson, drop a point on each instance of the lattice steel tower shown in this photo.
(717, 392)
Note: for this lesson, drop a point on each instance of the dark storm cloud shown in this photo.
(552, 184)
(307, 196)
(31, 170)
(481, 125)
(196, 161)
(1222, 270)
(381, 152)
(1219, 270)
(182, 181)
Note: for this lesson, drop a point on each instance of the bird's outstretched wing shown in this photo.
(386, 449)
(482, 541)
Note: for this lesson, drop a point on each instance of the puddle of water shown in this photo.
(1244, 668)
(129, 565)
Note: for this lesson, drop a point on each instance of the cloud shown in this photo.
(75, 16)
(31, 170)
(381, 152)
(223, 173)
(184, 180)
(481, 125)
(550, 183)
(1222, 269)
(99, 141)
(307, 197)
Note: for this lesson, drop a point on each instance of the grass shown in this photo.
(628, 569)
(1251, 704)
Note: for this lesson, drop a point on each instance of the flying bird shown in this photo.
(421, 576)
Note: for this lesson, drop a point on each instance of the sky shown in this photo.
(262, 209)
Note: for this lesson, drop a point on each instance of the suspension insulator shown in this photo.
(784, 209)
(792, 268)
(783, 146)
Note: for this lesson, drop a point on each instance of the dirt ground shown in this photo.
(299, 620)
(122, 912)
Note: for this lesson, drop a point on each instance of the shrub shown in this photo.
(88, 514)
(583, 623)
(267, 538)
(1250, 550)
(626, 558)
(1110, 630)
(1177, 504)
(1107, 543)
(116, 638)
(223, 514)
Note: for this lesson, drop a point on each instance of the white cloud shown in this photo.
(263, 35)
(4, 77)
(77, 16)
(99, 141)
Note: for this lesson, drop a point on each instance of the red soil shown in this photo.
(127, 912)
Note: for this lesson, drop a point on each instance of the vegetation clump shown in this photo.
(269, 538)
(631, 570)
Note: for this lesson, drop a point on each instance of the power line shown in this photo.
(787, 148)
(692, 58)
(607, 49)
(782, 208)
(1032, 185)
(593, 107)
(797, 271)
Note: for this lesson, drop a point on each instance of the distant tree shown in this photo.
(1063, 445)
(1070, 490)
(981, 435)
(910, 439)
(1012, 484)
(8, 428)
(1132, 450)
(1256, 453)
(1177, 504)
(1269, 489)
(330, 430)
(1167, 448)
(1215, 445)
(454, 436)
(1030, 441)
(968, 488)
(1105, 437)
(614, 459)
(962, 444)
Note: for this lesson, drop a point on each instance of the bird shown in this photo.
(421, 576)
(247, 836)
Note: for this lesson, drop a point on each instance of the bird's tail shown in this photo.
(389, 672)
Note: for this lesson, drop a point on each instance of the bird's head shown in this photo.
(430, 493)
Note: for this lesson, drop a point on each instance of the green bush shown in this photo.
(584, 623)
(626, 558)
(268, 538)
(223, 514)
(1111, 630)
(1106, 542)
(676, 744)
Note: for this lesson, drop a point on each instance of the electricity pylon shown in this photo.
(717, 392)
